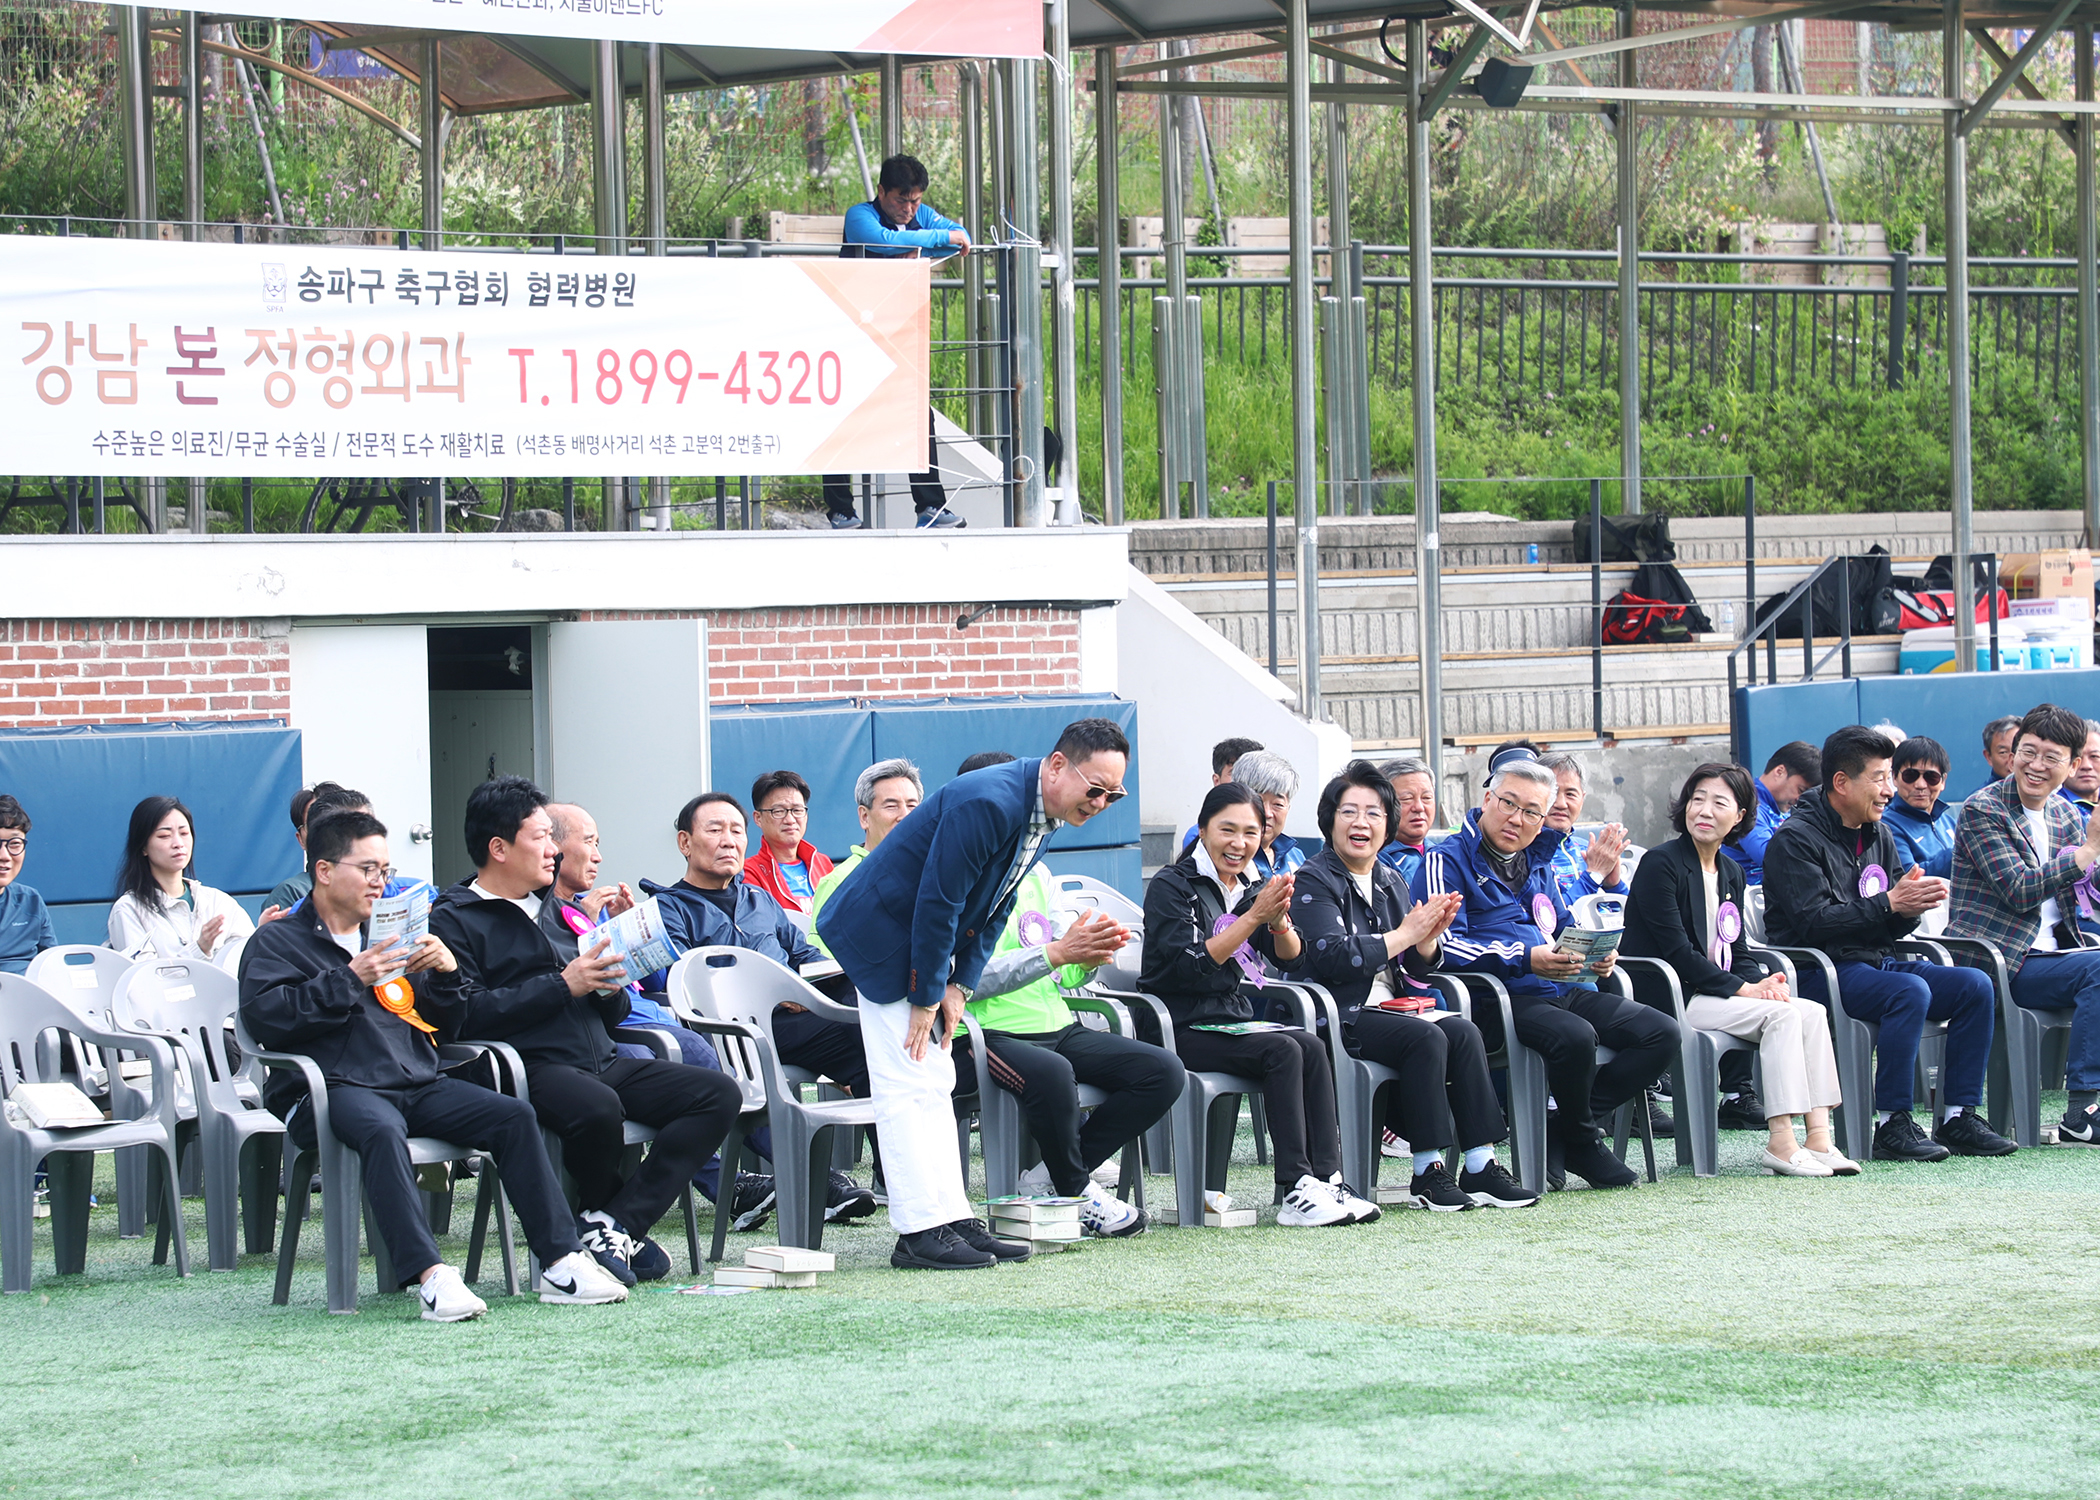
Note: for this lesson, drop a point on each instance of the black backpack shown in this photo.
(1627, 539)
(1873, 606)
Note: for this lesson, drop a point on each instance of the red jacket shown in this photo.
(761, 871)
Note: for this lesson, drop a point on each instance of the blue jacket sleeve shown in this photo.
(1754, 842)
(968, 839)
(929, 230)
(1470, 942)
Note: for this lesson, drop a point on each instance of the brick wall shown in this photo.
(55, 672)
(882, 651)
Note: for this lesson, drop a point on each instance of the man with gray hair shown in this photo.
(1414, 791)
(882, 795)
(1506, 928)
(1583, 864)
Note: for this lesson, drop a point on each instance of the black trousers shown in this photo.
(691, 1108)
(832, 1048)
(1565, 1029)
(376, 1124)
(1297, 1090)
(927, 492)
(1044, 1070)
(1443, 1096)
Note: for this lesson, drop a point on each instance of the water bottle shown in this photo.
(1531, 553)
(1728, 616)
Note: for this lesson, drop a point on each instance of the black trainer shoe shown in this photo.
(608, 1244)
(973, 1233)
(1660, 1124)
(650, 1262)
(1595, 1165)
(1898, 1139)
(845, 1199)
(1744, 1112)
(2080, 1127)
(1434, 1190)
(1969, 1134)
(1556, 1163)
(937, 1249)
(753, 1200)
(1493, 1187)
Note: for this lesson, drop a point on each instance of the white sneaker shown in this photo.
(1106, 1216)
(1839, 1163)
(1800, 1164)
(1035, 1182)
(1361, 1209)
(1392, 1145)
(1110, 1172)
(577, 1277)
(446, 1298)
(1312, 1204)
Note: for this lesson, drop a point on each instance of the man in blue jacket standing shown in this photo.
(913, 928)
(896, 225)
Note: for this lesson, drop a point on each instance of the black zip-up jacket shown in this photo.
(298, 995)
(1181, 914)
(1812, 885)
(1344, 936)
(1666, 919)
(514, 988)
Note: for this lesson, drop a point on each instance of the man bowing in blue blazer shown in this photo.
(914, 924)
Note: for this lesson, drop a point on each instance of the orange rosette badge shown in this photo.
(399, 998)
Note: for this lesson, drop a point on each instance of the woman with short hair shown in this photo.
(160, 911)
(1686, 908)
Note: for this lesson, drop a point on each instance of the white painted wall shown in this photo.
(1193, 688)
(361, 704)
(627, 737)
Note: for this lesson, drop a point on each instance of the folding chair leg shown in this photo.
(171, 1209)
(725, 1190)
(504, 1237)
(477, 1237)
(1258, 1117)
(692, 1229)
(341, 1185)
(262, 1161)
(70, 1176)
(298, 1189)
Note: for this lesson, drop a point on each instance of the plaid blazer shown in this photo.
(2000, 882)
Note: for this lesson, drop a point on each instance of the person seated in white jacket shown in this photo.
(160, 912)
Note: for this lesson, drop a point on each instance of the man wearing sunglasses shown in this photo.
(1920, 818)
(913, 929)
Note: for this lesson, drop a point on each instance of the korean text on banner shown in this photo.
(229, 360)
(932, 28)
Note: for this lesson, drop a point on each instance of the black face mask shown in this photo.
(1512, 868)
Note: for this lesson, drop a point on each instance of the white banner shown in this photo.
(221, 360)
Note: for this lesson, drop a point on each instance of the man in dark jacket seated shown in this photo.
(369, 1017)
(1506, 927)
(713, 906)
(1835, 879)
(559, 1015)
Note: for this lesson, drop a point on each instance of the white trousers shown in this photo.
(1793, 1045)
(915, 1121)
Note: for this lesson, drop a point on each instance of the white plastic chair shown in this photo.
(1084, 892)
(1599, 911)
(85, 977)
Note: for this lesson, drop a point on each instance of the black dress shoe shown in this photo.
(973, 1233)
(937, 1249)
(1898, 1139)
(1744, 1112)
(1595, 1165)
(1969, 1134)
(1660, 1125)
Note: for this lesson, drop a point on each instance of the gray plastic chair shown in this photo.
(342, 1189)
(33, 1026)
(192, 1006)
(85, 977)
(1527, 1087)
(737, 986)
(2015, 1079)
(1358, 1086)
(1698, 1069)
(1084, 893)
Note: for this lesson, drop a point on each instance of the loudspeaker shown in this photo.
(1502, 84)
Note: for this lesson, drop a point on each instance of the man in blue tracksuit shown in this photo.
(896, 225)
(1791, 770)
(1506, 928)
(913, 929)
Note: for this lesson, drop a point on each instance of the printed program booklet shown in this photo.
(1593, 947)
(406, 916)
(638, 939)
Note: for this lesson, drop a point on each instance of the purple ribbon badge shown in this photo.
(1728, 926)
(1036, 929)
(1873, 880)
(2088, 893)
(1250, 961)
(1544, 915)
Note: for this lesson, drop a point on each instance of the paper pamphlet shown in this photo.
(1242, 1028)
(52, 1106)
(1594, 947)
(638, 939)
(406, 916)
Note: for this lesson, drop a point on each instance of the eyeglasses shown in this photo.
(374, 872)
(1372, 814)
(1914, 774)
(1102, 794)
(785, 814)
(1516, 809)
(2027, 754)
(13, 846)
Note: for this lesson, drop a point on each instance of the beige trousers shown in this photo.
(1793, 1044)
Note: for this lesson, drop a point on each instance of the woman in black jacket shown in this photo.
(1207, 928)
(1686, 908)
(1366, 940)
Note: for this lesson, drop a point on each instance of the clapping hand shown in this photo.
(1917, 892)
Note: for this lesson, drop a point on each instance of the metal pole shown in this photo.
(1272, 578)
(970, 105)
(1750, 563)
(1027, 290)
(135, 86)
(891, 126)
(1108, 219)
(1064, 310)
(2088, 298)
(192, 124)
(1953, 36)
(433, 153)
(609, 201)
(1597, 607)
(1899, 316)
(1341, 390)
(1629, 283)
(1421, 305)
(655, 210)
(1304, 443)
(1173, 240)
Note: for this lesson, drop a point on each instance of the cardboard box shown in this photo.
(788, 1258)
(750, 1276)
(2060, 573)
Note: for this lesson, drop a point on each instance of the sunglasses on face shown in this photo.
(1104, 795)
(1912, 775)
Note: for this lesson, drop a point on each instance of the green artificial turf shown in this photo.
(1918, 1331)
